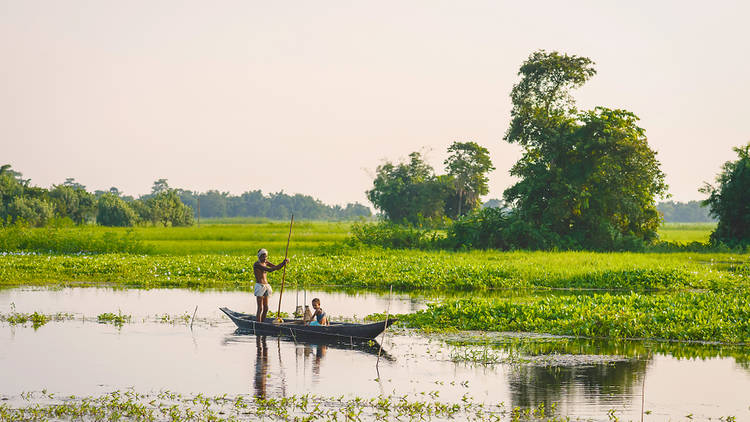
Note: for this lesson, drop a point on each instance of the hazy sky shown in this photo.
(311, 96)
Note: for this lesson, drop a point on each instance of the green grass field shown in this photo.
(231, 239)
(244, 239)
(686, 232)
(219, 236)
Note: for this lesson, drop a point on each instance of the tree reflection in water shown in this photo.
(597, 369)
(562, 369)
(534, 384)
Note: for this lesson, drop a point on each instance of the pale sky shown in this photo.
(311, 96)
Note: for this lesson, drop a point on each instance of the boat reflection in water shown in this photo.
(281, 361)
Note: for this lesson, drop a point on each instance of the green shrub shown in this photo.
(495, 228)
(479, 230)
(69, 240)
(389, 235)
(33, 211)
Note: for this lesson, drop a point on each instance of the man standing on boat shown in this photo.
(262, 288)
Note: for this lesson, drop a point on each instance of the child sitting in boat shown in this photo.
(319, 317)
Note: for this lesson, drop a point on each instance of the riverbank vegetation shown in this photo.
(701, 316)
(675, 295)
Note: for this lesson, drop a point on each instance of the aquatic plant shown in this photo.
(174, 319)
(703, 316)
(169, 406)
(37, 319)
(117, 319)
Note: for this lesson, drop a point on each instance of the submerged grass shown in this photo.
(118, 319)
(168, 406)
(37, 319)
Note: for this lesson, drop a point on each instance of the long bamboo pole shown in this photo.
(279, 319)
(382, 340)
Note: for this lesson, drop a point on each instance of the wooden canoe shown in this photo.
(339, 331)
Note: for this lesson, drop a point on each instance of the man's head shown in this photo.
(262, 254)
(316, 303)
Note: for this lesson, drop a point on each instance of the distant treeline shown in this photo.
(276, 206)
(70, 203)
(673, 212)
(684, 212)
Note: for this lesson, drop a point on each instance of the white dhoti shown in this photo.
(263, 290)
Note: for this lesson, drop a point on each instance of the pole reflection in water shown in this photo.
(261, 366)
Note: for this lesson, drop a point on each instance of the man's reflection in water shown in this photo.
(261, 366)
(310, 352)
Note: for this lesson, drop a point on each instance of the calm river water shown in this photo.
(584, 378)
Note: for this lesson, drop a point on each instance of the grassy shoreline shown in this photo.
(404, 270)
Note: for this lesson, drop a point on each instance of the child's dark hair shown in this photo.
(316, 300)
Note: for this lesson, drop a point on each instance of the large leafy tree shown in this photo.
(729, 201)
(409, 191)
(165, 207)
(10, 188)
(587, 179)
(113, 211)
(73, 201)
(20, 202)
(468, 165)
(29, 210)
